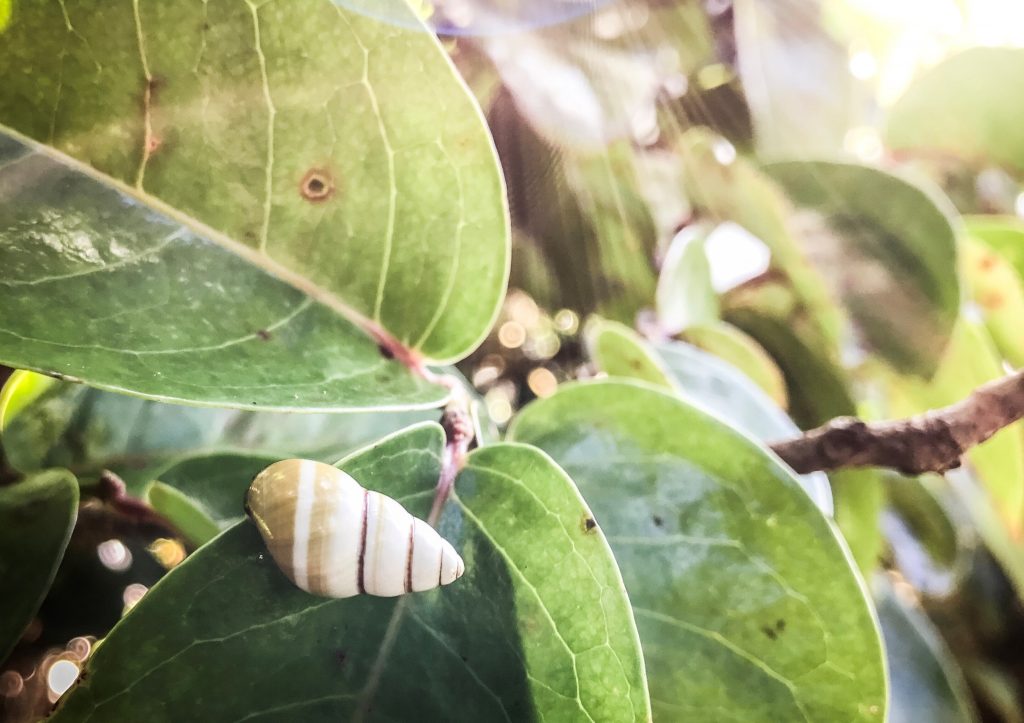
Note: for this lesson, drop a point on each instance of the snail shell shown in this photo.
(333, 537)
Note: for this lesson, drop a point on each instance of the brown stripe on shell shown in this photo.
(362, 542)
(408, 557)
(440, 566)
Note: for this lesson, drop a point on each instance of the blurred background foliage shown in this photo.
(786, 210)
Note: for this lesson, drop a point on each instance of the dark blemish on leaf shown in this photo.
(317, 185)
(263, 334)
(658, 522)
(772, 635)
(589, 524)
(385, 351)
(64, 377)
(780, 625)
(340, 656)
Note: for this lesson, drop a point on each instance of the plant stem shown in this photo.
(459, 435)
(930, 442)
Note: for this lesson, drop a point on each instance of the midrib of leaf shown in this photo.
(253, 256)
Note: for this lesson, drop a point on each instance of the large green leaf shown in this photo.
(887, 250)
(36, 519)
(102, 287)
(723, 556)
(87, 430)
(925, 681)
(965, 106)
(313, 143)
(538, 628)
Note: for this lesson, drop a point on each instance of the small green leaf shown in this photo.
(736, 190)
(337, 151)
(20, 390)
(539, 627)
(619, 352)
(193, 522)
(730, 344)
(723, 556)
(685, 296)
(36, 519)
(1005, 234)
(996, 285)
(925, 682)
(886, 248)
(965, 106)
(86, 430)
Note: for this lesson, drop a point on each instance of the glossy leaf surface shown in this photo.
(723, 555)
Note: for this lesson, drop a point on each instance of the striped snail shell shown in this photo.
(333, 537)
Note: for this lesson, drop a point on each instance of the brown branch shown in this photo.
(930, 442)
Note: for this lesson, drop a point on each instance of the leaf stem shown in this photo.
(459, 432)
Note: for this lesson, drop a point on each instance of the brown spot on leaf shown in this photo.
(770, 633)
(589, 524)
(658, 522)
(263, 334)
(317, 185)
(991, 299)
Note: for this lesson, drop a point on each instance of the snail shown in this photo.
(332, 537)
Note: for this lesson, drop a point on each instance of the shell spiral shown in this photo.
(333, 537)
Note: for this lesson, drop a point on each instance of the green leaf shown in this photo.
(685, 296)
(341, 152)
(730, 344)
(996, 285)
(736, 190)
(193, 522)
(204, 494)
(36, 519)
(723, 556)
(87, 430)
(925, 681)
(619, 352)
(887, 248)
(968, 362)
(539, 627)
(102, 288)
(964, 107)
(1005, 234)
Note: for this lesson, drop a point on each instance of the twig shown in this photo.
(459, 435)
(930, 442)
(131, 512)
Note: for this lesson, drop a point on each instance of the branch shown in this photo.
(930, 442)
